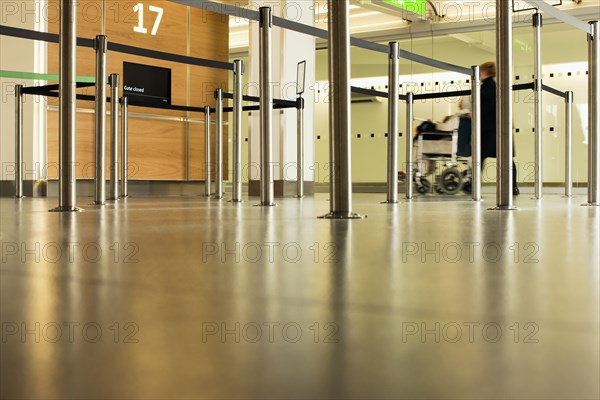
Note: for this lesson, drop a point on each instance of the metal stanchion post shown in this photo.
(207, 171)
(593, 115)
(266, 107)
(67, 103)
(568, 144)
(410, 101)
(238, 72)
(504, 137)
(476, 134)
(18, 141)
(339, 111)
(219, 145)
(392, 142)
(300, 147)
(114, 137)
(537, 28)
(124, 147)
(100, 46)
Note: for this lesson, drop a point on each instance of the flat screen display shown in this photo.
(147, 83)
(300, 77)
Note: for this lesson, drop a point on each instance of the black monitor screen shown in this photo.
(147, 83)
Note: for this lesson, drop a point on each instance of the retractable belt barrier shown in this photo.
(554, 91)
(425, 96)
(51, 91)
(117, 47)
(240, 12)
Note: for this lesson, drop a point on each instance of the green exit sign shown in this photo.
(416, 6)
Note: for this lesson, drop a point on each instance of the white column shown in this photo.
(23, 55)
(289, 48)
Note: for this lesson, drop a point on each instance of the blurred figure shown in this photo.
(488, 117)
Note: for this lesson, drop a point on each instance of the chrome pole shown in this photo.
(300, 148)
(238, 72)
(537, 29)
(594, 118)
(114, 137)
(219, 149)
(568, 144)
(410, 100)
(476, 133)
(18, 141)
(266, 107)
(67, 105)
(100, 46)
(207, 171)
(339, 109)
(392, 142)
(332, 117)
(124, 146)
(504, 186)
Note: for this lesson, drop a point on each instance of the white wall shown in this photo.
(23, 56)
(564, 51)
(289, 48)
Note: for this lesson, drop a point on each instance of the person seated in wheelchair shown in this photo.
(460, 121)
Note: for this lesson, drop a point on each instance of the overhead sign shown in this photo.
(416, 6)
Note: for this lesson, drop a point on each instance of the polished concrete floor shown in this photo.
(192, 298)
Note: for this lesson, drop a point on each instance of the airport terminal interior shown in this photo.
(297, 199)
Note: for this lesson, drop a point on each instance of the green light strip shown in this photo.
(41, 77)
(416, 6)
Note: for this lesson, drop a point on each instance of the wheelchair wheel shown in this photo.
(467, 183)
(450, 181)
(424, 186)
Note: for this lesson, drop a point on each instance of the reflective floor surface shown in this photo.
(194, 298)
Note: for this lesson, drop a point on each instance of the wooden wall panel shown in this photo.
(205, 24)
(197, 143)
(84, 145)
(157, 149)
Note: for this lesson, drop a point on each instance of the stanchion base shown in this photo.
(342, 215)
(389, 202)
(218, 197)
(113, 199)
(564, 196)
(299, 197)
(97, 203)
(20, 197)
(590, 205)
(536, 198)
(64, 209)
(266, 205)
(503, 208)
(235, 201)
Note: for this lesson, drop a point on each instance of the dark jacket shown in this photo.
(488, 118)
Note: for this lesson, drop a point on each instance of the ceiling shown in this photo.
(370, 20)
